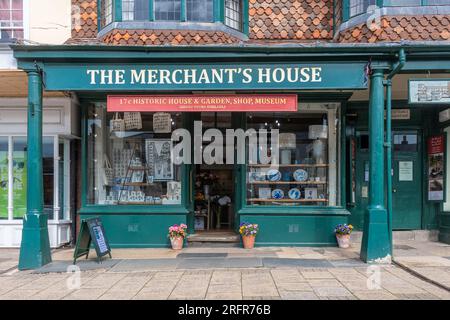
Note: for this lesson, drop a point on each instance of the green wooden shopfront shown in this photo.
(347, 186)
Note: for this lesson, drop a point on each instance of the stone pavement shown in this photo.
(429, 260)
(218, 273)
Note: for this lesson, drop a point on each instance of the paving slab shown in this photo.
(274, 263)
(62, 266)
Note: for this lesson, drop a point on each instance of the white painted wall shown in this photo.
(49, 21)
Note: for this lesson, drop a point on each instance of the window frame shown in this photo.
(381, 3)
(217, 17)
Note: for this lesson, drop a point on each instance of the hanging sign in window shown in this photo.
(201, 103)
(436, 168)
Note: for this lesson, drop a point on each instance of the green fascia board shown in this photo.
(288, 210)
(140, 209)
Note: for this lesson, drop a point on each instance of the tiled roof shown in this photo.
(173, 37)
(290, 19)
(397, 28)
(84, 19)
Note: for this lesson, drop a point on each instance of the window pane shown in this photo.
(169, 10)
(48, 170)
(135, 10)
(360, 6)
(233, 14)
(107, 10)
(399, 3)
(11, 20)
(438, 2)
(305, 174)
(3, 177)
(199, 10)
(405, 142)
(131, 166)
(20, 176)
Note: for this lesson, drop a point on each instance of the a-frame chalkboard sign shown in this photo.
(91, 230)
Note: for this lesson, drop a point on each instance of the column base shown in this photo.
(35, 246)
(376, 246)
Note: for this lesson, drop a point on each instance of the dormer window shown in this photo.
(11, 20)
(229, 12)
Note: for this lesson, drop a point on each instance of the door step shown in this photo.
(213, 239)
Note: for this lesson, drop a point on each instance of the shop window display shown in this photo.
(307, 170)
(129, 158)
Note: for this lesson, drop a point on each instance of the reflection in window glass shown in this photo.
(233, 14)
(438, 2)
(167, 10)
(399, 3)
(131, 165)
(305, 175)
(446, 204)
(357, 7)
(20, 176)
(135, 10)
(199, 10)
(107, 9)
(3, 177)
(48, 170)
(406, 142)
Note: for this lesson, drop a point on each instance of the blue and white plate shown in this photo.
(273, 175)
(277, 194)
(300, 175)
(294, 194)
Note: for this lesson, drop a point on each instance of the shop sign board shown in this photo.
(225, 76)
(91, 231)
(436, 168)
(429, 91)
(199, 103)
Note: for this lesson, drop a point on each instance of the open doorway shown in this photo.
(214, 185)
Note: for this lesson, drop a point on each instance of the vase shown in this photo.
(177, 243)
(248, 241)
(343, 240)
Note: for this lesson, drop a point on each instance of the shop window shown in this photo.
(135, 10)
(4, 181)
(19, 176)
(168, 10)
(446, 204)
(107, 10)
(11, 20)
(233, 14)
(48, 171)
(129, 160)
(405, 142)
(199, 10)
(307, 171)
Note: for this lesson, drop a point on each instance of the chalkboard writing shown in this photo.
(91, 230)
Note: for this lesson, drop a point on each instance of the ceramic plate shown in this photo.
(277, 194)
(300, 175)
(273, 175)
(294, 194)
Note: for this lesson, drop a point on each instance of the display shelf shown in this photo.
(287, 200)
(288, 182)
(137, 184)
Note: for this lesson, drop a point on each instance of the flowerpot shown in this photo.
(177, 243)
(343, 240)
(248, 241)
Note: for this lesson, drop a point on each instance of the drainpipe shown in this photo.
(388, 144)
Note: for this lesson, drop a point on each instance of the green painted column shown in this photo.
(35, 246)
(375, 245)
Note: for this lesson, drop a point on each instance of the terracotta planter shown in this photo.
(248, 241)
(177, 243)
(343, 240)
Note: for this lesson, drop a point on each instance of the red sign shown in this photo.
(436, 144)
(199, 103)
